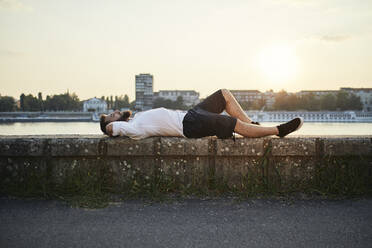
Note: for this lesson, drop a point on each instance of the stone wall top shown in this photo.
(100, 145)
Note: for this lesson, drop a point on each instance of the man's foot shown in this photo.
(290, 126)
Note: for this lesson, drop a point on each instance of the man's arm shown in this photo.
(109, 129)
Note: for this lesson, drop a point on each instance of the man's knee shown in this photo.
(224, 91)
(226, 94)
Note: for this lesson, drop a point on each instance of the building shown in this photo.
(95, 105)
(317, 93)
(144, 92)
(365, 95)
(254, 96)
(189, 97)
(246, 95)
(269, 97)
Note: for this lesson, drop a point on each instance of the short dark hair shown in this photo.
(103, 123)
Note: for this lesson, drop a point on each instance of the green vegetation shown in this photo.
(60, 102)
(291, 102)
(166, 103)
(341, 101)
(118, 102)
(7, 104)
(283, 101)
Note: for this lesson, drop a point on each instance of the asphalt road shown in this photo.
(188, 223)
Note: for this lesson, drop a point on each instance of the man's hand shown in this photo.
(109, 129)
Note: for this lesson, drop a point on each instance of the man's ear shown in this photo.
(109, 129)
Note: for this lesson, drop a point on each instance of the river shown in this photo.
(37, 128)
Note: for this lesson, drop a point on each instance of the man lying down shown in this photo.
(205, 119)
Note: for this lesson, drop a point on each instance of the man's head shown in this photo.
(114, 116)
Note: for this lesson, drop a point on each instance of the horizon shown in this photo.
(68, 91)
(97, 49)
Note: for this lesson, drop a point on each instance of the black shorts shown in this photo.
(205, 119)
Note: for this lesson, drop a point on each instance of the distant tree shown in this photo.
(281, 100)
(63, 102)
(308, 102)
(355, 102)
(291, 102)
(40, 98)
(161, 102)
(342, 100)
(132, 105)
(167, 103)
(126, 99)
(179, 104)
(259, 104)
(7, 104)
(22, 102)
(116, 102)
(31, 103)
(122, 102)
(328, 102)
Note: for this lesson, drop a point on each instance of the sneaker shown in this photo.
(290, 126)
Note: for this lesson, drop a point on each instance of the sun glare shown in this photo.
(278, 63)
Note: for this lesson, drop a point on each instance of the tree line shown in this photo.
(340, 101)
(308, 102)
(167, 103)
(118, 102)
(59, 102)
(283, 101)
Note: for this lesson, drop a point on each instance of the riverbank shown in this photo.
(10, 117)
(260, 116)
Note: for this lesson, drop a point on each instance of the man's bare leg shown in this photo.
(233, 108)
(253, 131)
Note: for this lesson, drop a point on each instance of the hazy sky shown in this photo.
(96, 48)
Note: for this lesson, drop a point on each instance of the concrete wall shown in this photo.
(337, 165)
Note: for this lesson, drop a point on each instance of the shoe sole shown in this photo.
(299, 126)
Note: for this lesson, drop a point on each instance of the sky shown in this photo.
(96, 48)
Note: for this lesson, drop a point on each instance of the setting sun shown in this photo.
(278, 63)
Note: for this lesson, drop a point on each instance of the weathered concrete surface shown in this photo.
(264, 164)
(188, 223)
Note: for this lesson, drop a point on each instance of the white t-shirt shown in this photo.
(154, 122)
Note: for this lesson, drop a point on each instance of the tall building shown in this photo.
(189, 97)
(144, 91)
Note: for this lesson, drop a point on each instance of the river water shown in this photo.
(36, 128)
